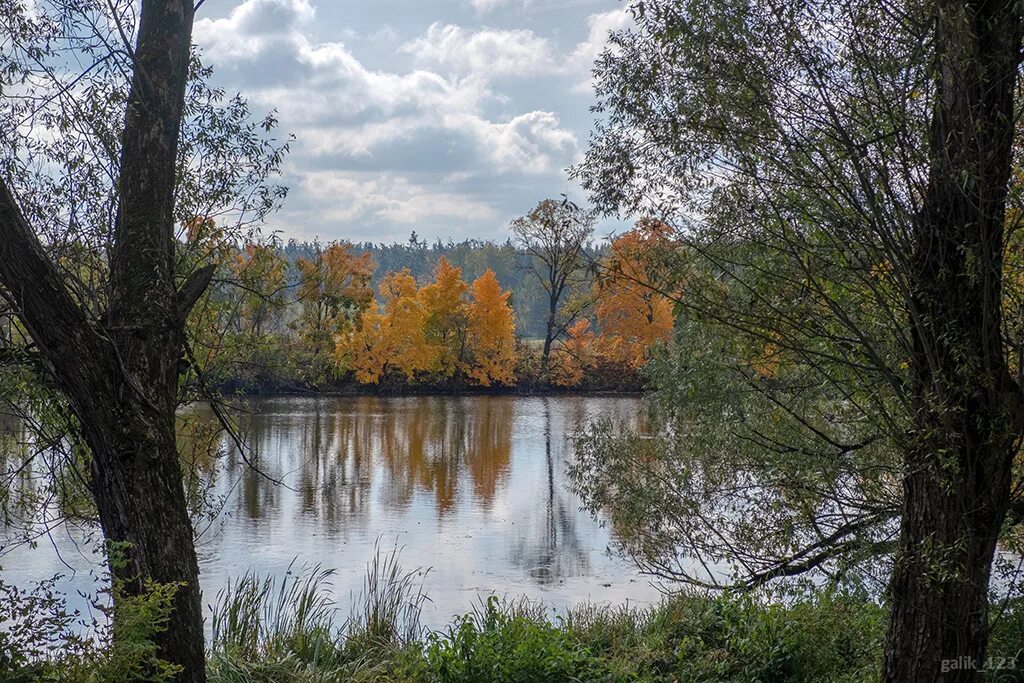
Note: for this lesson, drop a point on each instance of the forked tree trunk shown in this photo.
(120, 374)
(967, 420)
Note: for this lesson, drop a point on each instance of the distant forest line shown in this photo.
(548, 308)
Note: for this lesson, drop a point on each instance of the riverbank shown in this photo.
(264, 632)
(355, 389)
(625, 383)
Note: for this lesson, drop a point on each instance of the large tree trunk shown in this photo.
(120, 374)
(137, 485)
(957, 475)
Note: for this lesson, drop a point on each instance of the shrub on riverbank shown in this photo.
(267, 631)
(829, 636)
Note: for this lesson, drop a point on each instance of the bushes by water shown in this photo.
(287, 632)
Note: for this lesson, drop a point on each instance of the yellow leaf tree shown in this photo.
(491, 333)
(392, 339)
(631, 315)
(444, 302)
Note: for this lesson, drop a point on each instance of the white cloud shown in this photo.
(349, 197)
(532, 142)
(599, 26)
(437, 141)
(488, 5)
(252, 26)
(488, 53)
(485, 52)
(341, 107)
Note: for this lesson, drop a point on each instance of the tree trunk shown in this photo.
(137, 485)
(120, 374)
(549, 336)
(546, 352)
(967, 414)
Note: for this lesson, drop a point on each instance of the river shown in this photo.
(472, 488)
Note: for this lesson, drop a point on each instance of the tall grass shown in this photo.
(290, 630)
(387, 611)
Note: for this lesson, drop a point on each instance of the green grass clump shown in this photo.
(270, 631)
(830, 636)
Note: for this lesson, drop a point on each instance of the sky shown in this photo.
(447, 117)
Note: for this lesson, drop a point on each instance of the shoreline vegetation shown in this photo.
(289, 630)
(390, 319)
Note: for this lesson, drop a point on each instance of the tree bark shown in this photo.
(967, 419)
(549, 338)
(120, 374)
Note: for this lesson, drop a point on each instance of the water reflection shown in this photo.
(330, 452)
(473, 487)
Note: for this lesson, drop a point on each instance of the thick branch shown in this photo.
(54, 321)
(142, 261)
(193, 288)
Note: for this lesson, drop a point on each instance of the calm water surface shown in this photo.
(473, 488)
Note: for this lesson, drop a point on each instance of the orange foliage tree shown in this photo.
(491, 333)
(444, 301)
(435, 332)
(633, 311)
(575, 355)
(393, 338)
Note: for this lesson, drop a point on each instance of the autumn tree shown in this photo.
(554, 237)
(445, 325)
(392, 339)
(839, 176)
(258, 272)
(120, 372)
(575, 356)
(334, 287)
(633, 310)
(491, 333)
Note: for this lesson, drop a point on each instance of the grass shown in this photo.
(267, 631)
(289, 630)
(819, 635)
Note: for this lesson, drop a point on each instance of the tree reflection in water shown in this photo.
(472, 487)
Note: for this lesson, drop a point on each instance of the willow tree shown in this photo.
(100, 166)
(838, 174)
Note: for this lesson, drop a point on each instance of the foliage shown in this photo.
(789, 390)
(42, 641)
(290, 631)
(634, 311)
(444, 301)
(491, 332)
(394, 340)
(434, 333)
(842, 401)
